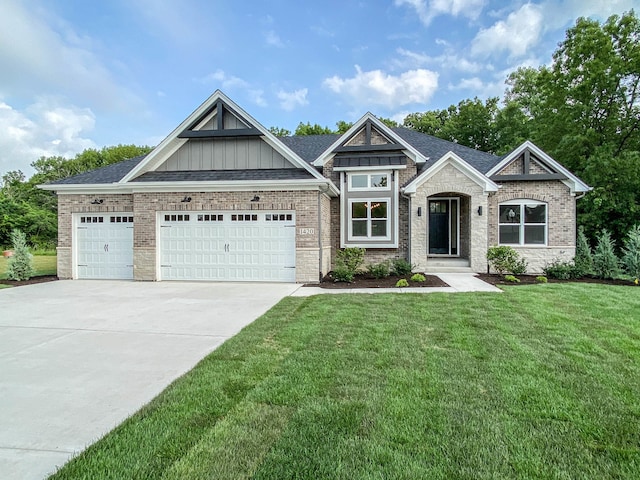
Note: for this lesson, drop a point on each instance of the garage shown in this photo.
(104, 246)
(228, 246)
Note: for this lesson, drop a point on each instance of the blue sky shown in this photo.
(78, 74)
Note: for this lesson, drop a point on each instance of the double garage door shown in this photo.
(238, 246)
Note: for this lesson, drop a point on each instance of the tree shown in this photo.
(19, 266)
(308, 129)
(280, 132)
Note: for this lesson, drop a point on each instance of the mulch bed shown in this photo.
(367, 281)
(31, 281)
(495, 279)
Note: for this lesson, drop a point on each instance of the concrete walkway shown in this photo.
(78, 357)
(458, 282)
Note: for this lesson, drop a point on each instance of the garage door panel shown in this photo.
(104, 246)
(223, 246)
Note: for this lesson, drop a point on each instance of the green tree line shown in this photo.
(583, 110)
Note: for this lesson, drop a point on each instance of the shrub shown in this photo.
(505, 259)
(19, 266)
(402, 283)
(351, 258)
(342, 274)
(584, 256)
(418, 277)
(605, 262)
(631, 252)
(562, 270)
(541, 279)
(379, 270)
(401, 267)
(512, 279)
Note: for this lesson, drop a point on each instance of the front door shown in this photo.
(444, 219)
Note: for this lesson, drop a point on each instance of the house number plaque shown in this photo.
(307, 231)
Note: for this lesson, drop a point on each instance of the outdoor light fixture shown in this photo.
(97, 201)
(186, 200)
(255, 198)
(419, 211)
(480, 210)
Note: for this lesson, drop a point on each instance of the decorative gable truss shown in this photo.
(528, 163)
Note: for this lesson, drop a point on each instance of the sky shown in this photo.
(77, 74)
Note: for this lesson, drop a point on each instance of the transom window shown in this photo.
(369, 219)
(523, 222)
(369, 181)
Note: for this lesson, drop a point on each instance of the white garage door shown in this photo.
(238, 246)
(104, 244)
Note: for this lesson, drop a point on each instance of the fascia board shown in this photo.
(451, 158)
(575, 184)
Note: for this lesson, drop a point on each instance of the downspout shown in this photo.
(408, 197)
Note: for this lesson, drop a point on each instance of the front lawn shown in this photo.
(43, 265)
(541, 381)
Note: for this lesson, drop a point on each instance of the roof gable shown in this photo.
(530, 163)
(369, 135)
(450, 158)
(219, 135)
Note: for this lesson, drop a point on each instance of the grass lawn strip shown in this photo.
(43, 265)
(539, 382)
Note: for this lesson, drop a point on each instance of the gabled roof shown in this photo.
(573, 182)
(177, 138)
(411, 151)
(309, 147)
(110, 174)
(451, 158)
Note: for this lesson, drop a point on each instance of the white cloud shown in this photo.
(45, 128)
(428, 10)
(42, 53)
(379, 88)
(400, 116)
(224, 80)
(448, 60)
(273, 39)
(291, 100)
(560, 13)
(517, 34)
(257, 97)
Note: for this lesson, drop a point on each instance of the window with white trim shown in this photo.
(522, 222)
(369, 219)
(369, 181)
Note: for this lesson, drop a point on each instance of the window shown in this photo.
(368, 219)
(176, 218)
(523, 222)
(369, 181)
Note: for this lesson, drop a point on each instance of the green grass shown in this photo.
(43, 265)
(541, 381)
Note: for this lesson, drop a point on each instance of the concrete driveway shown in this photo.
(78, 357)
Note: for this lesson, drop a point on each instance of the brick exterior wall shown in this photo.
(146, 205)
(561, 218)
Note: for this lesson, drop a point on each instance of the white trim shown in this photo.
(410, 151)
(451, 158)
(377, 167)
(171, 143)
(573, 182)
(368, 188)
(228, 186)
(445, 255)
(369, 220)
(521, 202)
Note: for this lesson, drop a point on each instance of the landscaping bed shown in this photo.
(31, 281)
(498, 280)
(369, 281)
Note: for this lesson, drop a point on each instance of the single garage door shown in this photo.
(225, 246)
(104, 244)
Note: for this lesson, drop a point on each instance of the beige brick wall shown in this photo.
(146, 205)
(561, 217)
(452, 182)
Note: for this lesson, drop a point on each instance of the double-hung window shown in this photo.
(369, 207)
(523, 222)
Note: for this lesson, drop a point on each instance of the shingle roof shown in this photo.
(109, 174)
(225, 175)
(370, 161)
(309, 147)
(435, 148)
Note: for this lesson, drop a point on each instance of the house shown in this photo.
(221, 198)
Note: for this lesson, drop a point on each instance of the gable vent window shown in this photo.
(176, 218)
(523, 222)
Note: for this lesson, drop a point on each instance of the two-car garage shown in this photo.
(211, 246)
